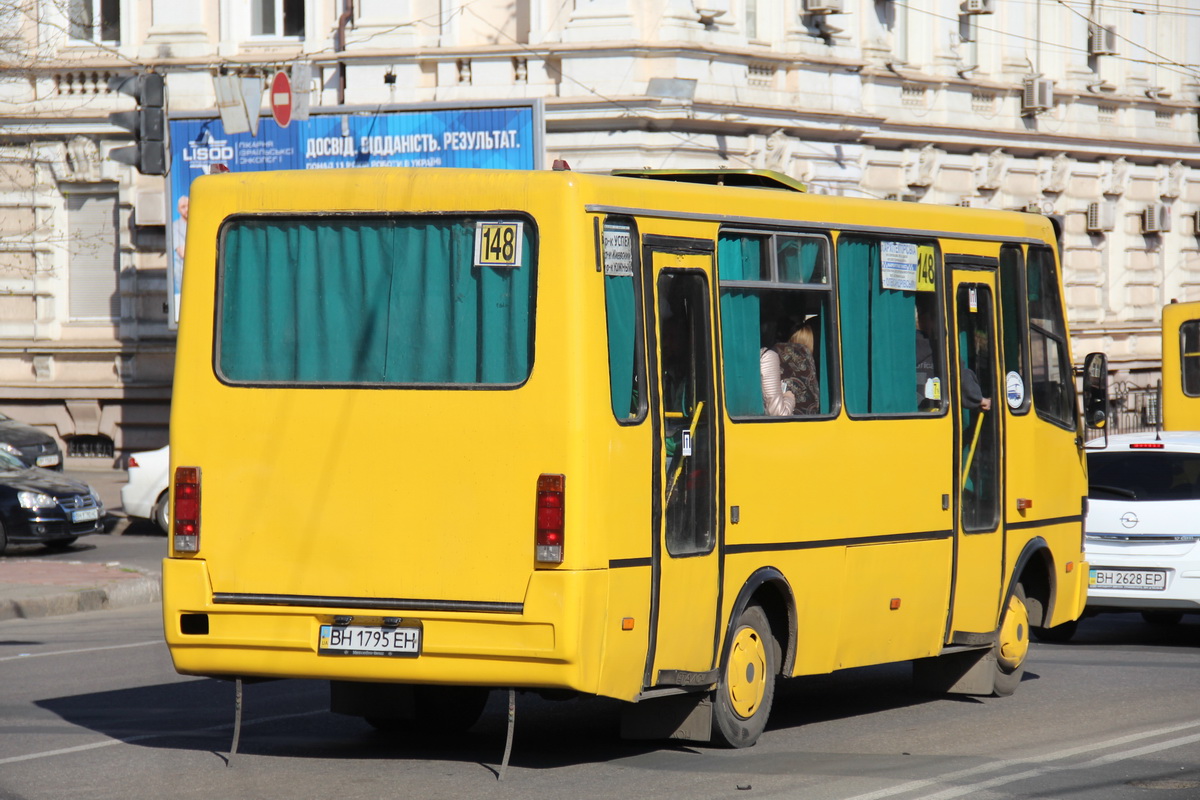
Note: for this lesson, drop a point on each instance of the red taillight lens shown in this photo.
(187, 509)
(133, 462)
(549, 519)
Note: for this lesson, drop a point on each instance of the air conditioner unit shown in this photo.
(1156, 218)
(978, 6)
(823, 6)
(1102, 40)
(1037, 95)
(1101, 217)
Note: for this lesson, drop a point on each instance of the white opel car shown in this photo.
(1143, 525)
(145, 494)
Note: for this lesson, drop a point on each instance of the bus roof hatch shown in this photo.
(754, 178)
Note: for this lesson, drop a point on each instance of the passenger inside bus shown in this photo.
(928, 381)
(790, 384)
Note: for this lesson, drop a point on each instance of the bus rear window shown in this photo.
(375, 300)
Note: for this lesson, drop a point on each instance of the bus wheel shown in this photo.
(1012, 645)
(747, 685)
(1059, 633)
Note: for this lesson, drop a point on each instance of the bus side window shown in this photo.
(1053, 384)
(892, 346)
(623, 321)
(776, 324)
(1189, 357)
(1013, 329)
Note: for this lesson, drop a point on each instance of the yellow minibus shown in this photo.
(657, 436)
(1181, 367)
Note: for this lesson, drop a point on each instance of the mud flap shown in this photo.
(959, 672)
(678, 716)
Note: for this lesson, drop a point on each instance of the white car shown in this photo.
(1143, 527)
(146, 493)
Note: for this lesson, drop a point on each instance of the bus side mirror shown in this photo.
(1095, 390)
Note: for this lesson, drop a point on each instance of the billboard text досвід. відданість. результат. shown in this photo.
(492, 136)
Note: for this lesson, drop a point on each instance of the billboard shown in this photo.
(488, 136)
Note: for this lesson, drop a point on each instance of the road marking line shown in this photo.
(145, 736)
(21, 656)
(993, 766)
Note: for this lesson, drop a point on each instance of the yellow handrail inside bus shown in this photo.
(682, 458)
(974, 442)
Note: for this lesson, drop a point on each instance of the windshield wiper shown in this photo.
(1120, 491)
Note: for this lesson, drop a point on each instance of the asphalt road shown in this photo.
(91, 707)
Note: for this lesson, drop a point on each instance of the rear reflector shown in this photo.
(1146, 446)
(550, 516)
(187, 509)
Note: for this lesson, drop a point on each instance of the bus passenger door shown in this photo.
(686, 565)
(979, 541)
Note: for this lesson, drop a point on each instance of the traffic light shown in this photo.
(147, 123)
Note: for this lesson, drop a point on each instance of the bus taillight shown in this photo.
(187, 509)
(551, 507)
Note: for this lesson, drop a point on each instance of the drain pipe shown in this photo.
(340, 45)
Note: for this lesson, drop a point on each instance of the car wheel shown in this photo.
(162, 508)
(746, 689)
(1163, 617)
(1012, 645)
(1059, 633)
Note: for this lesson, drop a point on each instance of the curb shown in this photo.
(118, 594)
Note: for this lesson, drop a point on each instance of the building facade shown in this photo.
(1083, 111)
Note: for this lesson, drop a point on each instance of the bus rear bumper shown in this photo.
(546, 645)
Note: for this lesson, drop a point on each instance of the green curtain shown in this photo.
(879, 350)
(619, 306)
(856, 260)
(370, 301)
(738, 258)
(799, 260)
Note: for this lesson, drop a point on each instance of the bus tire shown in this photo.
(746, 688)
(1012, 644)
(1059, 633)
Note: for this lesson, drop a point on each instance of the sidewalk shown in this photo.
(33, 587)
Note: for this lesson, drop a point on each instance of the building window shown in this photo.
(277, 18)
(95, 20)
(93, 265)
(89, 446)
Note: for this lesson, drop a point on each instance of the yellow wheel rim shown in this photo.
(1014, 634)
(747, 672)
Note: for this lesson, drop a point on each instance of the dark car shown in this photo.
(33, 447)
(38, 506)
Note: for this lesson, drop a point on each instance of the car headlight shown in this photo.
(36, 500)
(8, 448)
